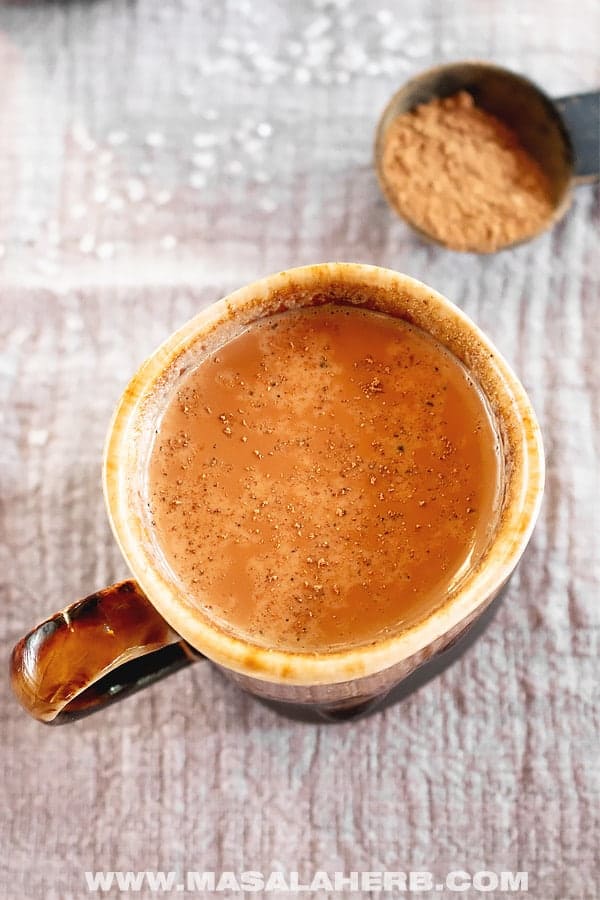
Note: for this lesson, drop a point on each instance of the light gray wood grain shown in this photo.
(115, 227)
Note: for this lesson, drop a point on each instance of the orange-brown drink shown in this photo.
(323, 478)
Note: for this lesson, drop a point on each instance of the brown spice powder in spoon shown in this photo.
(459, 174)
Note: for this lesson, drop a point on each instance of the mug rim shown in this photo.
(310, 668)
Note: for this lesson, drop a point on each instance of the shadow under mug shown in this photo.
(129, 634)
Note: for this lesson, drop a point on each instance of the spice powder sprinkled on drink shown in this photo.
(461, 175)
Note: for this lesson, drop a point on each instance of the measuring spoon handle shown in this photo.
(581, 114)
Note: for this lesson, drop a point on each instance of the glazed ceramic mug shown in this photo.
(128, 634)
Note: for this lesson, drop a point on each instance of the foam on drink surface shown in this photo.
(323, 479)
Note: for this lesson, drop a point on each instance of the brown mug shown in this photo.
(129, 634)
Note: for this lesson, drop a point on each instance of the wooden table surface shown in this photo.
(153, 156)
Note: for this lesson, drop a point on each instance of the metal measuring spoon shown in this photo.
(562, 135)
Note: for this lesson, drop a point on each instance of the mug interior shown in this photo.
(136, 420)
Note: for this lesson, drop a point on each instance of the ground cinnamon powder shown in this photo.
(460, 175)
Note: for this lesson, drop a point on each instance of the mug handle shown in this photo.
(95, 651)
